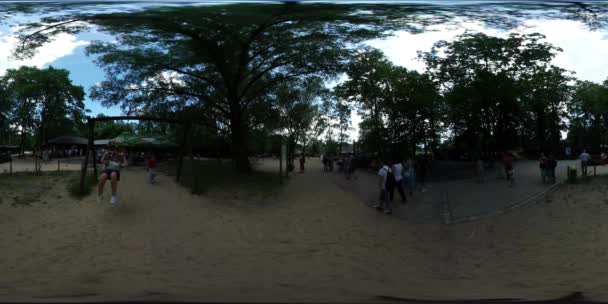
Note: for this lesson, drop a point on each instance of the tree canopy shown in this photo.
(41, 102)
(242, 71)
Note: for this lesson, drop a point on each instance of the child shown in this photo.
(150, 166)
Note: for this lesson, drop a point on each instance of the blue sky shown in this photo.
(585, 52)
(84, 72)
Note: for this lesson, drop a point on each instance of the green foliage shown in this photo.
(500, 91)
(588, 111)
(41, 102)
(398, 106)
(111, 129)
(220, 62)
(242, 71)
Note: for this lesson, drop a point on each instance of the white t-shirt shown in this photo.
(398, 171)
(384, 173)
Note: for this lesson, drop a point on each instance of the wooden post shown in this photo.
(10, 165)
(181, 152)
(287, 158)
(281, 164)
(58, 166)
(93, 150)
(85, 163)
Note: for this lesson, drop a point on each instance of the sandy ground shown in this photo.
(28, 165)
(314, 241)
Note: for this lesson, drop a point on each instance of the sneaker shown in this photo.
(377, 206)
(99, 199)
(388, 211)
(113, 200)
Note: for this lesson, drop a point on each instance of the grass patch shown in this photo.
(74, 186)
(221, 179)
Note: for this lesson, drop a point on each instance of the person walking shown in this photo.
(347, 166)
(324, 161)
(113, 162)
(542, 164)
(150, 167)
(399, 181)
(386, 184)
(302, 161)
(410, 174)
(585, 158)
(551, 165)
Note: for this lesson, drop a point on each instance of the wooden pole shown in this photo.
(181, 152)
(93, 150)
(35, 161)
(58, 166)
(281, 164)
(10, 165)
(85, 163)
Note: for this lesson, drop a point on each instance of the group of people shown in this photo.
(507, 163)
(399, 175)
(328, 162)
(48, 154)
(346, 163)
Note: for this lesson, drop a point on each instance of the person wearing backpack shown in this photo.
(386, 183)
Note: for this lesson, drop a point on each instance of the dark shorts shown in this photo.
(108, 172)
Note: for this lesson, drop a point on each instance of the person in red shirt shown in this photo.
(150, 167)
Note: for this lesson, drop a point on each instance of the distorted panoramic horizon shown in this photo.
(304, 151)
(585, 52)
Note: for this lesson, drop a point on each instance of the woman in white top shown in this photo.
(113, 162)
(398, 172)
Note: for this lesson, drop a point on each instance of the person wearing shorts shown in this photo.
(151, 167)
(544, 168)
(113, 162)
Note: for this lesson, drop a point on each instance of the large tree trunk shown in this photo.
(239, 141)
(540, 130)
(22, 142)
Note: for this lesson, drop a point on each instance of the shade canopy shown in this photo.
(68, 140)
(102, 142)
(8, 147)
(129, 140)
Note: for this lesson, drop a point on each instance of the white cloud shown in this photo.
(584, 52)
(63, 45)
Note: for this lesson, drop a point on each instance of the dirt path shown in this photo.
(313, 242)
